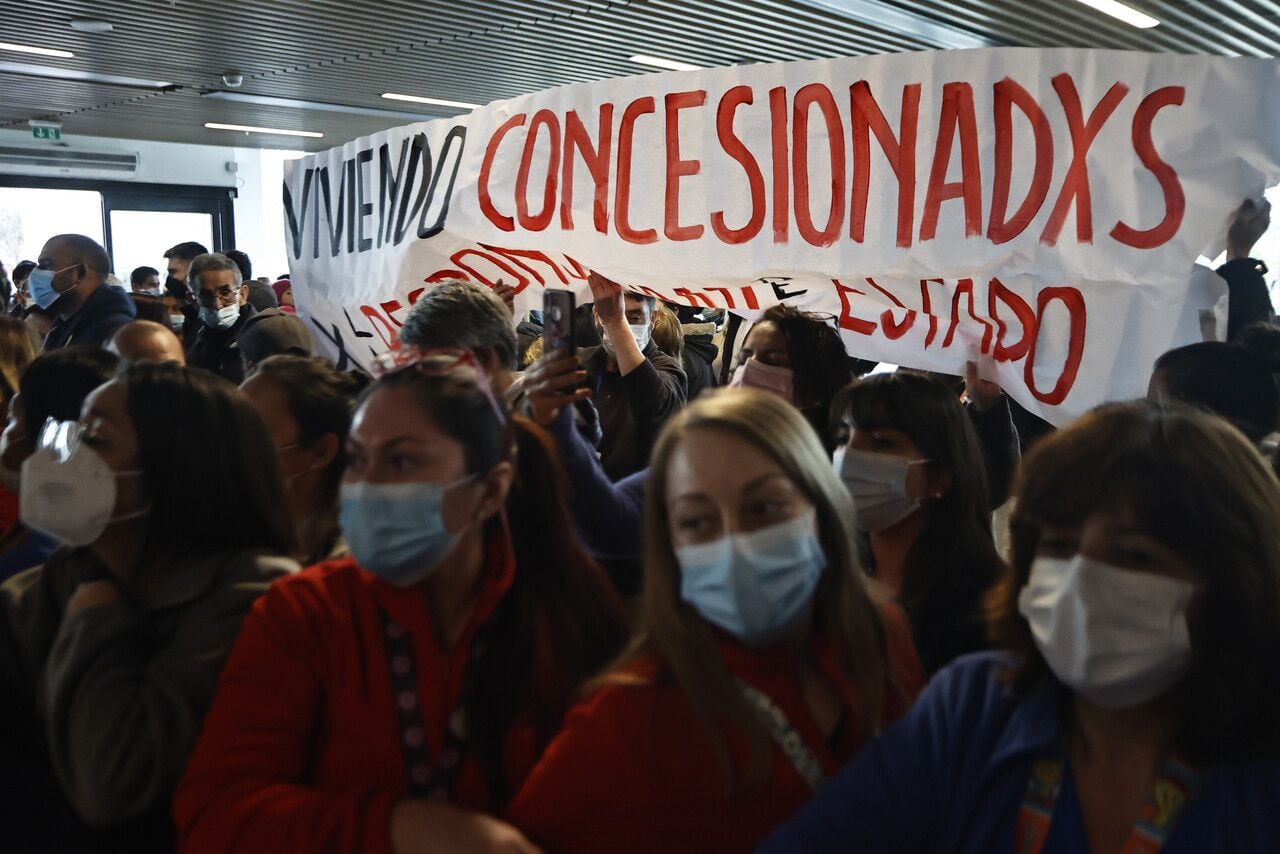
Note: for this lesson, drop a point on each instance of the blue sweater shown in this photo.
(950, 777)
(608, 515)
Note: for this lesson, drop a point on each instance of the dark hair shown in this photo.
(242, 261)
(22, 270)
(650, 303)
(151, 308)
(1227, 380)
(56, 383)
(88, 252)
(463, 315)
(558, 588)
(1263, 341)
(208, 463)
(140, 275)
(819, 364)
(322, 400)
(188, 251)
(954, 561)
(1196, 486)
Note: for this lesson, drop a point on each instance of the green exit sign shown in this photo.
(46, 133)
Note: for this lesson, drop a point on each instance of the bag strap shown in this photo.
(785, 736)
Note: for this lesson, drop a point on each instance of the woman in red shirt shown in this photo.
(388, 703)
(763, 661)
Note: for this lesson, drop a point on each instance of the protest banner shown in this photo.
(1038, 211)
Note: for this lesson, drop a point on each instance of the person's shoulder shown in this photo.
(109, 300)
(663, 362)
(625, 696)
(256, 565)
(316, 595)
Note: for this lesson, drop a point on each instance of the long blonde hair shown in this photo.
(843, 611)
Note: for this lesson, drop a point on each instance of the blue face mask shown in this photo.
(754, 586)
(396, 530)
(40, 285)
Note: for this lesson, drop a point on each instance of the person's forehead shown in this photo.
(719, 465)
(54, 249)
(766, 336)
(217, 278)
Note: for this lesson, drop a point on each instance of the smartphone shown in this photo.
(557, 319)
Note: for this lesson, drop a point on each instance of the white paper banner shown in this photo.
(1038, 211)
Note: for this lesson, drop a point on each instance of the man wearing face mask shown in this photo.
(71, 280)
(636, 387)
(184, 312)
(224, 310)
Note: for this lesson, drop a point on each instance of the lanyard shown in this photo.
(429, 779)
(784, 734)
(1174, 789)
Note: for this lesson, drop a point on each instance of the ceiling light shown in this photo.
(317, 106)
(251, 129)
(440, 102)
(668, 64)
(82, 76)
(918, 27)
(1128, 14)
(38, 51)
(91, 25)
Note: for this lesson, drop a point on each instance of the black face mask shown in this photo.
(177, 288)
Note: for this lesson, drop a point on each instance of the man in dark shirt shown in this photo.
(71, 280)
(224, 310)
(636, 387)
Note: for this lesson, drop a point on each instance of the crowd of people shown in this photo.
(650, 591)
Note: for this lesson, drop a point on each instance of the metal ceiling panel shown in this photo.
(348, 53)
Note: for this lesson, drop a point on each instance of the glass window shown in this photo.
(29, 216)
(140, 238)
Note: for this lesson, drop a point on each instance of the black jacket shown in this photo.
(212, 349)
(633, 408)
(103, 313)
(699, 355)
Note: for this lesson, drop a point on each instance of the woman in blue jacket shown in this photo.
(1135, 706)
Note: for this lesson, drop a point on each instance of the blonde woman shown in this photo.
(763, 661)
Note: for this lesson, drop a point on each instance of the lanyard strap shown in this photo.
(428, 779)
(784, 734)
(1174, 789)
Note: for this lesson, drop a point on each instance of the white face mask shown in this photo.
(1117, 636)
(70, 494)
(878, 484)
(640, 333)
(222, 318)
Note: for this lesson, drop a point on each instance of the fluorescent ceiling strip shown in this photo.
(668, 64)
(1121, 12)
(896, 19)
(316, 106)
(251, 129)
(38, 51)
(439, 102)
(81, 76)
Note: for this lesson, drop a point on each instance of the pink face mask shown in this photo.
(756, 374)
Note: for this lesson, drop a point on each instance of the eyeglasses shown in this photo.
(438, 362)
(223, 294)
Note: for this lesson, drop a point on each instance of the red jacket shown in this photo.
(633, 771)
(301, 750)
